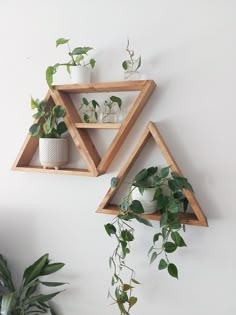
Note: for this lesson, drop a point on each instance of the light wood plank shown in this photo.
(62, 171)
(121, 86)
(98, 125)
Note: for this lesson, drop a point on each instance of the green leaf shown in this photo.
(127, 287)
(39, 115)
(157, 193)
(173, 271)
(142, 220)
(139, 63)
(141, 175)
(92, 63)
(59, 111)
(35, 130)
(52, 284)
(164, 172)
(172, 185)
(127, 236)
(5, 273)
(61, 128)
(34, 270)
(153, 257)
(185, 204)
(122, 308)
(162, 264)
(135, 281)
(50, 71)
(132, 300)
(124, 205)
(179, 195)
(8, 302)
(61, 41)
(85, 101)
(32, 288)
(42, 297)
(188, 186)
(34, 103)
(164, 219)
(157, 180)
(125, 65)
(173, 207)
(51, 268)
(156, 237)
(114, 182)
(170, 247)
(177, 238)
(136, 207)
(86, 118)
(81, 50)
(95, 104)
(117, 100)
(110, 229)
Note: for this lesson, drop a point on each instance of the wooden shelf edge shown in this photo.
(116, 86)
(185, 218)
(68, 171)
(98, 125)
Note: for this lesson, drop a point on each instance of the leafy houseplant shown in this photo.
(109, 113)
(170, 200)
(26, 300)
(131, 65)
(90, 114)
(49, 127)
(77, 61)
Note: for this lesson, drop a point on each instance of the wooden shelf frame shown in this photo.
(196, 218)
(78, 130)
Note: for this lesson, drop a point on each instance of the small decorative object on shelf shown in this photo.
(76, 67)
(90, 114)
(27, 300)
(131, 65)
(109, 114)
(53, 150)
(170, 200)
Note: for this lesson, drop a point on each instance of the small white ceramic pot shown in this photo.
(146, 199)
(80, 74)
(53, 153)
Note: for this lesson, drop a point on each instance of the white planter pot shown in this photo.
(146, 199)
(53, 152)
(80, 74)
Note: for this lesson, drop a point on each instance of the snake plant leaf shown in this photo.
(61, 41)
(8, 302)
(5, 274)
(33, 271)
(51, 268)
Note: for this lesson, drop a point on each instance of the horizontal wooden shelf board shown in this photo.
(121, 86)
(98, 125)
(185, 218)
(68, 171)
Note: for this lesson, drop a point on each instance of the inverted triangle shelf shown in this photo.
(77, 129)
(195, 218)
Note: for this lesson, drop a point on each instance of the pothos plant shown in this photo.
(49, 120)
(171, 201)
(90, 110)
(77, 58)
(27, 300)
(132, 64)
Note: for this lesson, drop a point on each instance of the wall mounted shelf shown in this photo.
(78, 130)
(106, 207)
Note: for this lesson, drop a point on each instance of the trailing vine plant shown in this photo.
(170, 202)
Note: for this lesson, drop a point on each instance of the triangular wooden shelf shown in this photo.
(77, 129)
(195, 218)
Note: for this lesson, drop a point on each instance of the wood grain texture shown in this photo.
(197, 218)
(98, 125)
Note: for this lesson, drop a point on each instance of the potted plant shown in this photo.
(109, 114)
(27, 300)
(77, 66)
(168, 195)
(90, 114)
(49, 126)
(131, 65)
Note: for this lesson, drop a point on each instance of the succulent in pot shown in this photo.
(168, 194)
(27, 300)
(77, 66)
(49, 127)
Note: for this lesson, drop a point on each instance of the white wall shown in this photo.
(188, 48)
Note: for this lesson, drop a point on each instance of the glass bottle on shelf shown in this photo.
(110, 114)
(89, 110)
